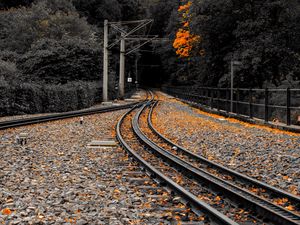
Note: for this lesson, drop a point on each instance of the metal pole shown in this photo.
(122, 69)
(250, 104)
(218, 99)
(136, 72)
(105, 63)
(231, 86)
(211, 98)
(227, 100)
(237, 101)
(288, 106)
(266, 105)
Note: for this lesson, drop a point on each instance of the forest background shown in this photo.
(51, 51)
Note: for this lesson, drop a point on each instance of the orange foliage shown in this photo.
(290, 207)
(186, 24)
(6, 211)
(184, 42)
(184, 39)
(185, 7)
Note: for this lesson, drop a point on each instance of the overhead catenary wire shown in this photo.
(130, 35)
(130, 22)
(142, 24)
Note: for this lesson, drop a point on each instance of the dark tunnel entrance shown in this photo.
(150, 70)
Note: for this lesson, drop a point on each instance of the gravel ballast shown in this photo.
(26, 116)
(266, 154)
(56, 179)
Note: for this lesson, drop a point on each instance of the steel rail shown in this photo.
(276, 191)
(59, 116)
(214, 215)
(267, 209)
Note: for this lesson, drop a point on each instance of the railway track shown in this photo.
(215, 193)
(156, 169)
(59, 116)
(225, 196)
(255, 186)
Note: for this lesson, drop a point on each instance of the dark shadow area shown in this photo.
(150, 70)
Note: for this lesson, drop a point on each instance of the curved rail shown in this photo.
(276, 191)
(215, 215)
(47, 118)
(267, 209)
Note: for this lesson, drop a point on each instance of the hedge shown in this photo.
(29, 98)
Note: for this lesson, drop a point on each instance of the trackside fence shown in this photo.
(269, 104)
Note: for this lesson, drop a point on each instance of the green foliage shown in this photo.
(54, 42)
(264, 35)
(20, 28)
(267, 43)
(61, 61)
(97, 11)
(8, 71)
(131, 10)
(165, 17)
(43, 46)
(49, 42)
(28, 98)
(165, 24)
(4, 4)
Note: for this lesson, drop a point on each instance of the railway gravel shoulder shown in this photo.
(56, 179)
(265, 154)
(14, 121)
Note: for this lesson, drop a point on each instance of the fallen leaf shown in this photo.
(6, 211)
(290, 207)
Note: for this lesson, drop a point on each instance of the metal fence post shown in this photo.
(218, 99)
(187, 94)
(227, 99)
(206, 97)
(266, 105)
(288, 106)
(250, 104)
(237, 101)
(211, 98)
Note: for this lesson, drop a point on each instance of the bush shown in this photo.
(9, 71)
(61, 61)
(22, 27)
(29, 98)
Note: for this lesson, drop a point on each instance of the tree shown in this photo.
(97, 11)
(185, 40)
(261, 34)
(161, 11)
(131, 10)
(61, 61)
(20, 28)
(5, 4)
(50, 42)
(267, 42)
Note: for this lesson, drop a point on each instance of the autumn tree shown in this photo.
(261, 34)
(185, 40)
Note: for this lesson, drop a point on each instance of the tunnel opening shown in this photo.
(150, 70)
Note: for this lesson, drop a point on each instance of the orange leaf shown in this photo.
(6, 211)
(290, 207)
(218, 198)
(285, 177)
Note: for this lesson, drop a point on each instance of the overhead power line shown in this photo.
(126, 34)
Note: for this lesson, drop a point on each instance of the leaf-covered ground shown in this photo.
(56, 179)
(8, 118)
(266, 154)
